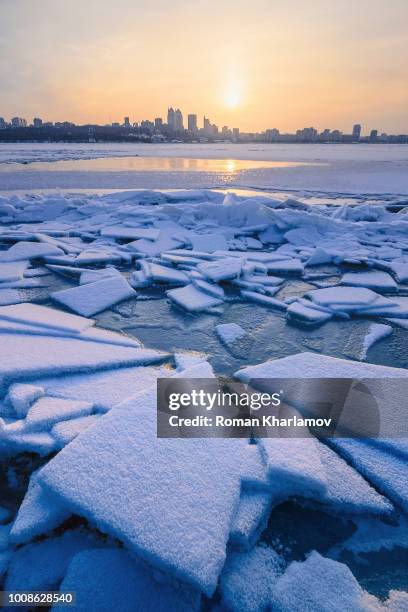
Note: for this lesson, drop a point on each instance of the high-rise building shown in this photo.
(158, 124)
(235, 132)
(18, 122)
(373, 135)
(3, 124)
(37, 122)
(178, 120)
(171, 119)
(192, 123)
(206, 125)
(126, 122)
(356, 132)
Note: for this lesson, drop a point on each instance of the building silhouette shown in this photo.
(171, 120)
(192, 123)
(178, 121)
(356, 132)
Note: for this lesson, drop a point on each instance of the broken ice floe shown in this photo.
(185, 516)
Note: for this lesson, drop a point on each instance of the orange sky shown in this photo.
(253, 64)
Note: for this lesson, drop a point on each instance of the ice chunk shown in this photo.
(400, 269)
(209, 288)
(95, 297)
(90, 276)
(251, 517)
(285, 266)
(47, 411)
(21, 396)
(104, 389)
(40, 512)
(192, 299)
(222, 269)
(65, 431)
(33, 314)
(264, 300)
(346, 297)
(110, 579)
(230, 332)
(164, 274)
(347, 492)
(317, 584)
(209, 242)
(154, 248)
(130, 233)
(373, 279)
(294, 466)
(23, 359)
(376, 332)
(40, 442)
(177, 499)
(387, 472)
(12, 271)
(42, 565)
(187, 360)
(29, 250)
(319, 257)
(305, 311)
(248, 579)
(312, 365)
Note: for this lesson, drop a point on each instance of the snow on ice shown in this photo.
(172, 519)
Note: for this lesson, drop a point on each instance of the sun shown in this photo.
(232, 98)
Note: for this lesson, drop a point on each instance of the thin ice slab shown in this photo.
(92, 298)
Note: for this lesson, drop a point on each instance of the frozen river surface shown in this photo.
(323, 169)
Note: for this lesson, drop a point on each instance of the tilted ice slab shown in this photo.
(12, 271)
(164, 274)
(386, 471)
(319, 584)
(222, 269)
(41, 316)
(22, 251)
(40, 512)
(251, 517)
(346, 491)
(192, 299)
(382, 418)
(131, 233)
(92, 298)
(65, 431)
(23, 359)
(109, 579)
(47, 411)
(373, 279)
(248, 578)
(313, 365)
(104, 389)
(170, 501)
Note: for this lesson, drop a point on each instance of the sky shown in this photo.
(252, 64)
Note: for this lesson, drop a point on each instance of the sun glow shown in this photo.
(232, 98)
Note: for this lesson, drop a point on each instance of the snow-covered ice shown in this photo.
(78, 439)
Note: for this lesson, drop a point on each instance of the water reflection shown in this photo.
(154, 164)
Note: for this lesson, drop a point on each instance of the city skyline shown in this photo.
(244, 64)
(158, 130)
